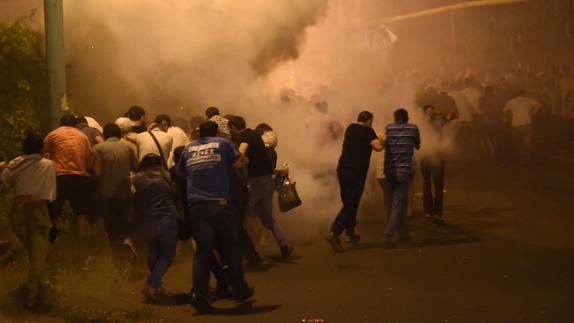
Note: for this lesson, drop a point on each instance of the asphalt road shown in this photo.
(505, 255)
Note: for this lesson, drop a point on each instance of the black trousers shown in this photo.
(433, 185)
(352, 186)
(118, 214)
(239, 200)
(80, 191)
(213, 223)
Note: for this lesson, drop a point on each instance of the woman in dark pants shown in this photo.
(156, 215)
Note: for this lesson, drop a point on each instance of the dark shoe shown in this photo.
(4, 246)
(438, 219)
(286, 251)
(32, 298)
(354, 238)
(405, 238)
(244, 295)
(149, 293)
(389, 245)
(200, 303)
(53, 235)
(335, 242)
(222, 289)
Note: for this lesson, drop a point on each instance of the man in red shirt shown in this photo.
(69, 150)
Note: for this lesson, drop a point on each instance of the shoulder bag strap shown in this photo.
(24, 165)
(163, 162)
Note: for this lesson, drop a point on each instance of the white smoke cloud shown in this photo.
(181, 56)
(173, 53)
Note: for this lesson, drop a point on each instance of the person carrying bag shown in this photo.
(288, 197)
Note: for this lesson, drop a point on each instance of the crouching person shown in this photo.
(156, 215)
(34, 182)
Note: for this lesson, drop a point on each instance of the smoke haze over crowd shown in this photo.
(180, 56)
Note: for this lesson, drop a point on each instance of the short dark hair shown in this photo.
(67, 120)
(136, 112)
(237, 122)
(364, 116)
(111, 130)
(262, 128)
(208, 129)
(150, 161)
(401, 115)
(211, 111)
(33, 143)
(163, 118)
(81, 119)
(177, 152)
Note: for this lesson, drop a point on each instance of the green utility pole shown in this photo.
(54, 27)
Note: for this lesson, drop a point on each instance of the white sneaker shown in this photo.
(129, 245)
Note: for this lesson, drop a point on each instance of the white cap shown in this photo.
(124, 123)
(270, 139)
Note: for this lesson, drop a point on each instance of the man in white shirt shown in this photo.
(34, 182)
(463, 106)
(180, 138)
(464, 126)
(473, 94)
(128, 137)
(520, 111)
(147, 145)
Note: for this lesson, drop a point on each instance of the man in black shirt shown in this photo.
(260, 179)
(360, 141)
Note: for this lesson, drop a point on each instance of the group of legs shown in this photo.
(398, 195)
(219, 227)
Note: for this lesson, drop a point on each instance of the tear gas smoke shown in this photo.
(268, 61)
(176, 54)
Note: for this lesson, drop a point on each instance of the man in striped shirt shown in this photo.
(402, 138)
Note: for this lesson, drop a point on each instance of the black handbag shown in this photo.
(288, 197)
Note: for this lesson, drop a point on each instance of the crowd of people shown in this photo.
(505, 118)
(152, 182)
(160, 184)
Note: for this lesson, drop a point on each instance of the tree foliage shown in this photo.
(22, 84)
(22, 93)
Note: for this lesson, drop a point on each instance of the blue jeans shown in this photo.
(399, 183)
(261, 191)
(211, 223)
(352, 186)
(161, 238)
